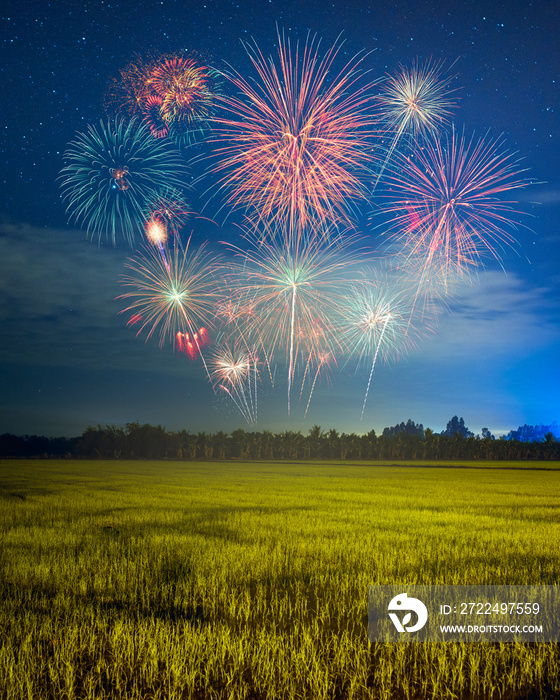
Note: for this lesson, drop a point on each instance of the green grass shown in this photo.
(249, 580)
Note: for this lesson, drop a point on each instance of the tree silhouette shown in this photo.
(456, 426)
(403, 441)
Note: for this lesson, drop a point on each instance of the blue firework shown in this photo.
(112, 171)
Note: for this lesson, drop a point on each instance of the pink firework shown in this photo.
(450, 202)
(297, 139)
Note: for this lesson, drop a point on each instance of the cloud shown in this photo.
(500, 317)
(58, 303)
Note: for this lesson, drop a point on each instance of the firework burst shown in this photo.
(414, 103)
(447, 205)
(294, 292)
(174, 94)
(296, 141)
(128, 93)
(112, 171)
(188, 90)
(234, 370)
(156, 231)
(169, 208)
(175, 299)
(417, 100)
(376, 323)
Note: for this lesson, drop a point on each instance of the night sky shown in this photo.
(68, 359)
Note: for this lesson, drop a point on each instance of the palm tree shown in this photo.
(239, 443)
(315, 439)
(267, 444)
(220, 442)
(333, 439)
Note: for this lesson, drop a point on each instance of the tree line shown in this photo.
(404, 441)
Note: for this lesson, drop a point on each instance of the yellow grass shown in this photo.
(249, 580)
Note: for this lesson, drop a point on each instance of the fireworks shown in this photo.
(446, 202)
(188, 92)
(293, 148)
(112, 171)
(294, 293)
(175, 299)
(192, 346)
(152, 114)
(234, 370)
(296, 143)
(323, 361)
(375, 320)
(414, 103)
(127, 94)
(175, 95)
(376, 323)
(156, 231)
(417, 100)
(169, 208)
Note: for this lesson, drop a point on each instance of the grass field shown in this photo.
(249, 580)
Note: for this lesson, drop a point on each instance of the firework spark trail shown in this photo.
(235, 371)
(376, 321)
(296, 141)
(241, 315)
(163, 255)
(322, 360)
(387, 319)
(431, 265)
(305, 373)
(239, 398)
(242, 408)
(252, 393)
(291, 356)
(255, 376)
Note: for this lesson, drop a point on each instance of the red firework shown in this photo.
(175, 94)
(191, 346)
(153, 116)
